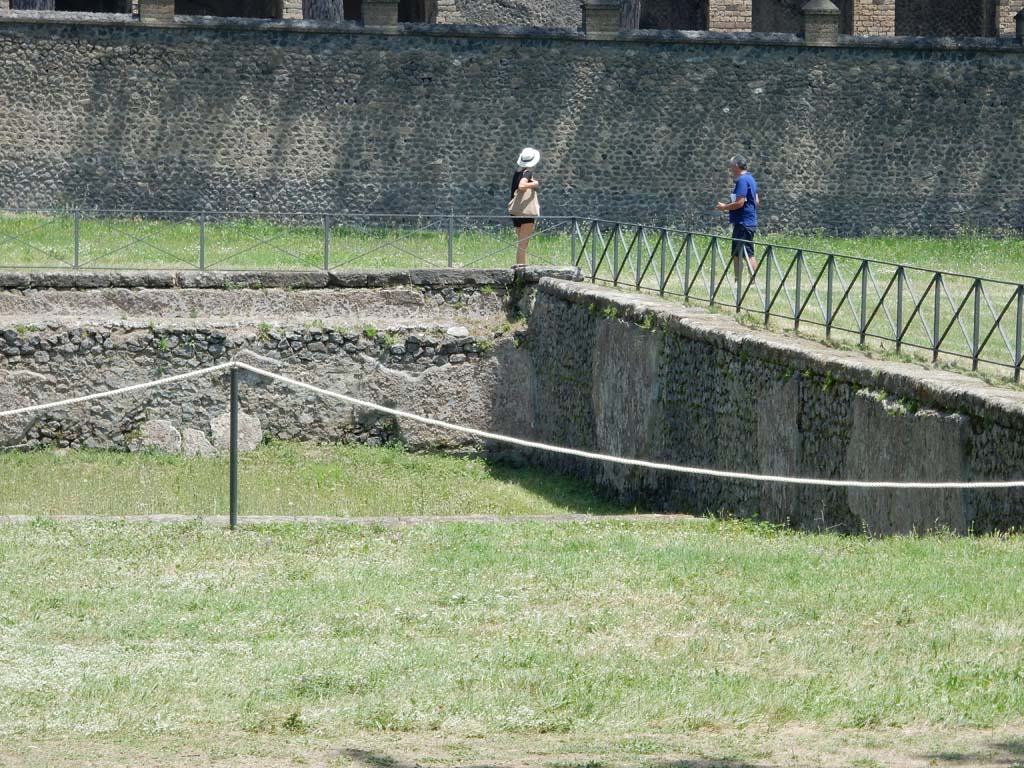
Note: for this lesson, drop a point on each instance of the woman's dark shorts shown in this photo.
(520, 222)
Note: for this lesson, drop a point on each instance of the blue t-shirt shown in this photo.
(746, 187)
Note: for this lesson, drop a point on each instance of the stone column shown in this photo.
(601, 17)
(380, 13)
(874, 17)
(156, 10)
(291, 9)
(821, 23)
(730, 15)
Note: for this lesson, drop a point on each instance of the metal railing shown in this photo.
(242, 240)
(940, 313)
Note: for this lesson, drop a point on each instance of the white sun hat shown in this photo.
(528, 158)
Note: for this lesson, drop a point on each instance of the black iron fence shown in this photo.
(940, 313)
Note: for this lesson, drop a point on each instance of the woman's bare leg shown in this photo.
(523, 232)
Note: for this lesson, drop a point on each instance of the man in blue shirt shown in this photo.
(742, 209)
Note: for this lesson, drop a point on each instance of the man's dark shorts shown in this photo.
(742, 242)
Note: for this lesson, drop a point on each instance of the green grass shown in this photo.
(133, 643)
(285, 479)
(37, 241)
(140, 634)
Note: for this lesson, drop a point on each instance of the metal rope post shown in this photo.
(451, 241)
(202, 242)
(78, 223)
(327, 243)
(233, 448)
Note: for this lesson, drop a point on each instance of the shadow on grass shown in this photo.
(370, 759)
(1003, 754)
(575, 494)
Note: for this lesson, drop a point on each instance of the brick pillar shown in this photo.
(730, 15)
(380, 13)
(156, 10)
(821, 23)
(874, 17)
(291, 9)
(1007, 14)
(601, 17)
(448, 12)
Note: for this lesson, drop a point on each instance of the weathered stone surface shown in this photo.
(194, 443)
(888, 442)
(827, 157)
(250, 432)
(160, 435)
(700, 390)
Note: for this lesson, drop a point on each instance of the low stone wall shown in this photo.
(430, 342)
(642, 377)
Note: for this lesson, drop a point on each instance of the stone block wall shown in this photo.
(730, 15)
(872, 17)
(1006, 15)
(431, 342)
(249, 116)
(777, 16)
(644, 378)
(674, 14)
(939, 18)
(566, 14)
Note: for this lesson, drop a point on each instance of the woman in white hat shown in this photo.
(524, 204)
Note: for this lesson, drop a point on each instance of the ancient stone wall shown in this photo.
(642, 377)
(248, 115)
(430, 342)
(672, 14)
(941, 17)
(777, 16)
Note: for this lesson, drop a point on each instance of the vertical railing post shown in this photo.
(739, 268)
(638, 271)
(451, 240)
(233, 450)
(664, 260)
(899, 308)
(828, 296)
(688, 247)
(202, 242)
(937, 317)
(572, 243)
(1020, 327)
(327, 242)
(78, 225)
(799, 278)
(864, 267)
(713, 253)
(615, 256)
(975, 351)
(768, 257)
(594, 231)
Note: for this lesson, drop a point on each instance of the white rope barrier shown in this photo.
(508, 440)
(117, 392)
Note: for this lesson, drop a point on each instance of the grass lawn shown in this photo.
(285, 479)
(600, 642)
